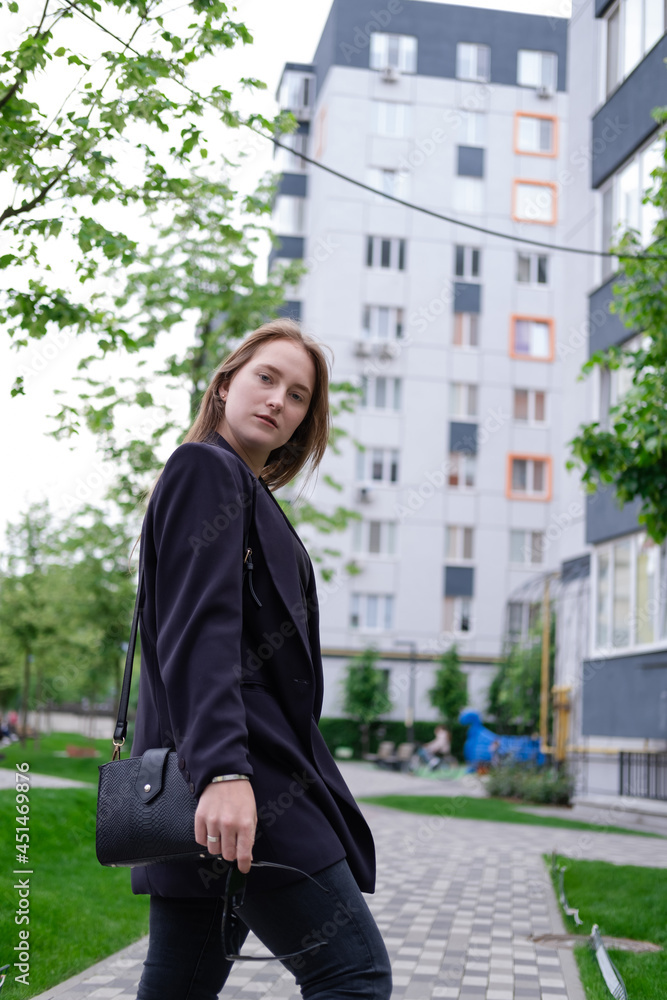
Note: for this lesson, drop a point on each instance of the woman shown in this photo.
(231, 676)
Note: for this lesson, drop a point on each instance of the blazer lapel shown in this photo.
(268, 515)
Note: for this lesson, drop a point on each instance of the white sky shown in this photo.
(35, 465)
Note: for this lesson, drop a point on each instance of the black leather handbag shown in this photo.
(145, 809)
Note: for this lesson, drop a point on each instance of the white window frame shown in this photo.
(390, 119)
(547, 72)
(390, 457)
(458, 533)
(537, 150)
(532, 420)
(361, 538)
(645, 42)
(473, 130)
(375, 387)
(460, 607)
(659, 604)
(614, 383)
(393, 51)
(531, 199)
(468, 261)
(289, 215)
(646, 215)
(469, 194)
(297, 90)
(382, 323)
(389, 180)
(463, 464)
(396, 254)
(463, 400)
(530, 492)
(359, 608)
(528, 610)
(469, 331)
(534, 259)
(473, 62)
(527, 547)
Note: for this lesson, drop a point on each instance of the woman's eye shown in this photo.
(262, 375)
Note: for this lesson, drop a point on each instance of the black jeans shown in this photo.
(185, 956)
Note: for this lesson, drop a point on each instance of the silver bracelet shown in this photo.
(231, 777)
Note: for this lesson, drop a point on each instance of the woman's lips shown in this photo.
(266, 420)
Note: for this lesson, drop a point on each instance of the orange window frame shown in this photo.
(510, 494)
(544, 184)
(532, 319)
(530, 152)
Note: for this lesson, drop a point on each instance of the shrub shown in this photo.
(544, 785)
(345, 732)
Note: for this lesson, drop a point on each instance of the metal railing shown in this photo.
(643, 775)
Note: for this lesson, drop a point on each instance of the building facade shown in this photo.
(454, 456)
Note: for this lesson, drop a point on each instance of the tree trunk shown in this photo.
(25, 696)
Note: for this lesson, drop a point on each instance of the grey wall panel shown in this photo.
(463, 437)
(626, 696)
(575, 569)
(605, 519)
(459, 581)
(470, 161)
(438, 27)
(606, 328)
(288, 246)
(291, 310)
(294, 184)
(601, 6)
(625, 122)
(467, 297)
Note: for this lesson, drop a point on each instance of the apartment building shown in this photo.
(613, 633)
(451, 334)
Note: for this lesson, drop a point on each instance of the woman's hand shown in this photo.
(227, 811)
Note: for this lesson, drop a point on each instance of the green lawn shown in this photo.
(492, 810)
(46, 761)
(79, 911)
(624, 901)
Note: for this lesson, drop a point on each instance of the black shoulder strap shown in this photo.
(120, 731)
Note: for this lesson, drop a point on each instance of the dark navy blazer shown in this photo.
(235, 687)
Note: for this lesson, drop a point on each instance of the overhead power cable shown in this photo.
(451, 219)
(400, 201)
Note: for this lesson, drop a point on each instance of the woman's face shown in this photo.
(266, 400)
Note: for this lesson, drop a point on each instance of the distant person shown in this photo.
(434, 752)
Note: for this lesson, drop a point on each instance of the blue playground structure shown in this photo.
(479, 745)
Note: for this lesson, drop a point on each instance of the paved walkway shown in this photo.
(458, 903)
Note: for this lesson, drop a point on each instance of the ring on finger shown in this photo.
(213, 840)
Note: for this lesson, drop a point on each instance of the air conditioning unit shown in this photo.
(362, 349)
(364, 494)
(301, 114)
(390, 74)
(388, 350)
(544, 92)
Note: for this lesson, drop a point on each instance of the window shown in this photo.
(537, 69)
(616, 382)
(467, 262)
(473, 62)
(378, 465)
(391, 118)
(630, 603)
(532, 338)
(529, 406)
(633, 27)
(286, 161)
(523, 618)
(374, 537)
(473, 128)
(382, 322)
(532, 268)
(534, 134)
(527, 547)
(289, 215)
(458, 543)
(399, 51)
(385, 252)
(469, 194)
(296, 90)
(394, 182)
(534, 201)
(457, 614)
(623, 199)
(461, 470)
(381, 393)
(371, 611)
(462, 400)
(529, 478)
(466, 330)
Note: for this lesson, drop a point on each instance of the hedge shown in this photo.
(346, 733)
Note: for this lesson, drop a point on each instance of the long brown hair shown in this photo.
(310, 439)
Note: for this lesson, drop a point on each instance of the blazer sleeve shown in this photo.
(201, 505)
